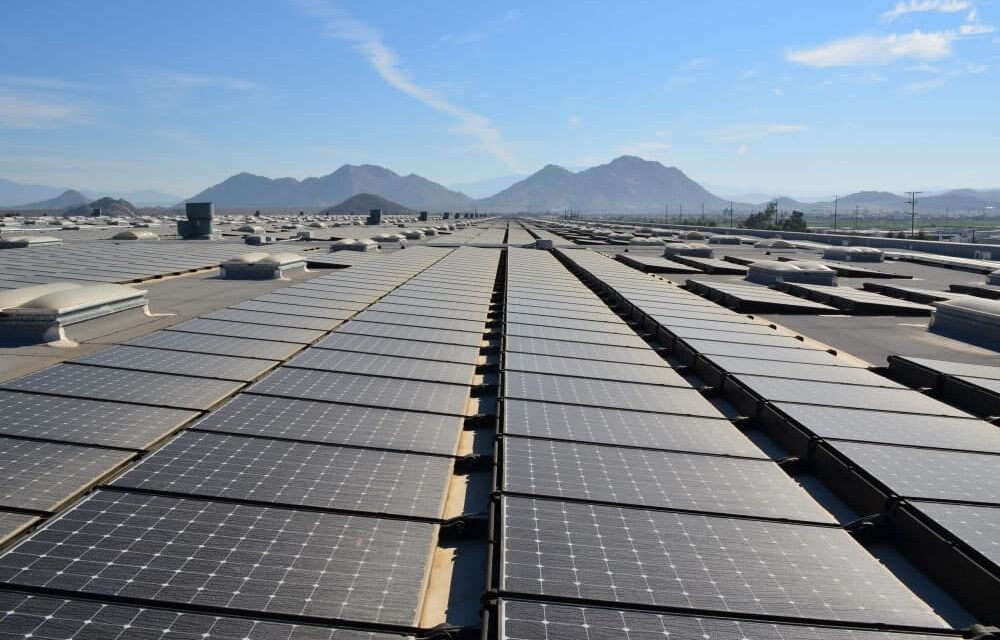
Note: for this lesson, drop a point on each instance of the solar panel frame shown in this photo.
(247, 330)
(218, 345)
(294, 309)
(583, 368)
(410, 320)
(582, 350)
(625, 340)
(11, 526)
(402, 348)
(420, 334)
(386, 366)
(273, 319)
(181, 363)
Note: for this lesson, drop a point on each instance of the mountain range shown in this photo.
(365, 202)
(15, 195)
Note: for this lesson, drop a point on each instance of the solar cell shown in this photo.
(625, 555)
(803, 371)
(41, 476)
(588, 351)
(240, 557)
(327, 422)
(976, 526)
(178, 362)
(50, 618)
(11, 524)
(782, 354)
(398, 347)
(570, 323)
(571, 335)
(520, 620)
(293, 309)
(956, 368)
(605, 393)
(295, 473)
(655, 479)
(273, 319)
(220, 345)
(762, 340)
(158, 389)
(370, 391)
(87, 421)
(422, 334)
(414, 299)
(283, 296)
(388, 366)
(247, 330)
(928, 473)
(583, 368)
(408, 320)
(435, 311)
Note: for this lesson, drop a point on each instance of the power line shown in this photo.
(913, 211)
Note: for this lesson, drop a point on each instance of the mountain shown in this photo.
(108, 206)
(248, 190)
(625, 185)
(485, 188)
(68, 198)
(13, 193)
(141, 198)
(365, 202)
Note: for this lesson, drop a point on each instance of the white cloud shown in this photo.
(923, 6)
(574, 122)
(387, 64)
(749, 73)
(742, 149)
(977, 69)
(869, 50)
(166, 80)
(696, 63)
(925, 86)
(20, 110)
(975, 29)
(751, 132)
(38, 82)
(642, 148)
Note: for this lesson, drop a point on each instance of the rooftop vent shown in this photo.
(853, 254)
(775, 243)
(770, 273)
(198, 225)
(696, 249)
(722, 239)
(993, 278)
(258, 265)
(20, 242)
(135, 234)
(969, 319)
(353, 244)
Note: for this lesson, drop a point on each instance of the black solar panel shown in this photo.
(179, 362)
(796, 352)
(12, 524)
(655, 479)
(588, 351)
(895, 428)
(604, 393)
(583, 368)
(572, 335)
(409, 320)
(157, 389)
(349, 388)
(422, 334)
(273, 319)
(286, 296)
(389, 366)
(626, 428)
(247, 330)
(399, 347)
(43, 475)
(803, 371)
(976, 526)
(603, 326)
(622, 555)
(295, 473)
(436, 311)
(87, 421)
(521, 620)
(220, 345)
(293, 309)
(927, 473)
(248, 558)
(49, 618)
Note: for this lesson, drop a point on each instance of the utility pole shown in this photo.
(835, 200)
(913, 211)
(730, 213)
(857, 210)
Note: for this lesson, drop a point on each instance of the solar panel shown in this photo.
(159, 389)
(11, 524)
(397, 298)
(240, 557)
(520, 620)
(435, 311)
(571, 335)
(273, 319)
(409, 320)
(894, 428)
(956, 368)
(583, 368)
(331, 423)
(781, 354)
(422, 334)
(317, 292)
(401, 348)
(178, 362)
(635, 556)
(762, 340)
(49, 618)
(617, 326)
(87, 421)
(41, 476)
(976, 526)
(626, 428)
(605, 393)
(531, 312)
(584, 350)
(388, 366)
(284, 296)
(844, 395)
(803, 371)
(293, 309)
(295, 474)
(370, 391)
(247, 330)
(928, 473)
(644, 478)
(219, 345)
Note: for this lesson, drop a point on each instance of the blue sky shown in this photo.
(805, 98)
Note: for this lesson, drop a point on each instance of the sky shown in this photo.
(798, 98)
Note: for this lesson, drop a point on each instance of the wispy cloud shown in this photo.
(742, 149)
(867, 50)
(574, 122)
(977, 69)
(22, 110)
(975, 29)
(751, 132)
(183, 81)
(41, 82)
(642, 148)
(923, 6)
(696, 63)
(368, 42)
(924, 86)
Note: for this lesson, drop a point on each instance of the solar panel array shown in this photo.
(875, 442)
(316, 492)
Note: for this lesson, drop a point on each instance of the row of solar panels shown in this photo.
(975, 388)
(315, 493)
(623, 489)
(883, 448)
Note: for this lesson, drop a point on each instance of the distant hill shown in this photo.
(625, 185)
(68, 198)
(108, 206)
(249, 190)
(13, 193)
(365, 202)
